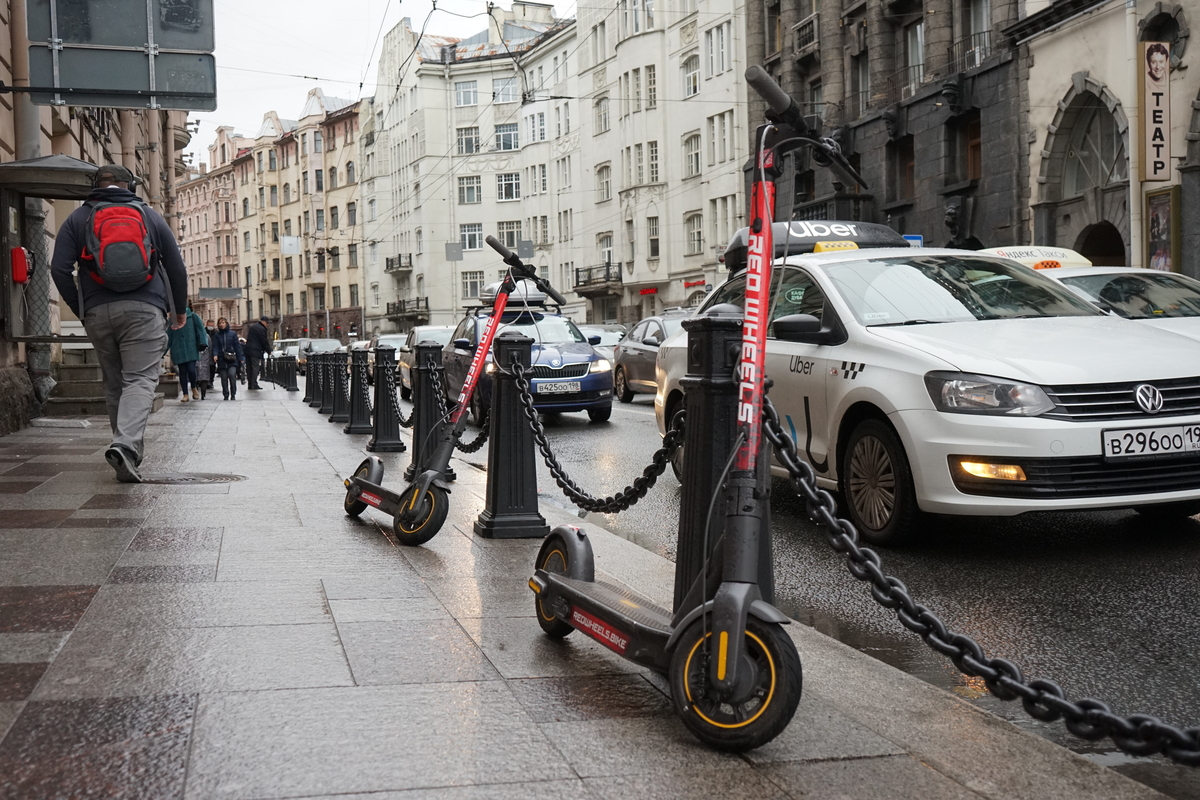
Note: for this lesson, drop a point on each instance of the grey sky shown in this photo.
(263, 44)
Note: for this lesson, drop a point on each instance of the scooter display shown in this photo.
(734, 672)
(419, 510)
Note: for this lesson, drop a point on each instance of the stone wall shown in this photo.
(16, 399)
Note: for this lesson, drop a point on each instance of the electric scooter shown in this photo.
(419, 511)
(735, 674)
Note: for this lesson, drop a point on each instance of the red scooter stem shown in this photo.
(485, 346)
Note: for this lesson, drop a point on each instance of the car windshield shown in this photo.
(1142, 295)
(396, 340)
(606, 337)
(439, 335)
(673, 325)
(321, 345)
(941, 288)
(542, 328)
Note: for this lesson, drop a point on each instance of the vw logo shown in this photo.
(1149, 398)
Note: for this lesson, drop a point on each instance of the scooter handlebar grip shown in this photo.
(494, 243)
(554, 295)
(765, 86)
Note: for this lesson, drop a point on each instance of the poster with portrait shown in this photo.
(1156, 111)
(1162, 230)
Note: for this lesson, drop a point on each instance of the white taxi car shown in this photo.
(1165, 300)
(950, 382)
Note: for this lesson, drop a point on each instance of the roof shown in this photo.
(519, 36)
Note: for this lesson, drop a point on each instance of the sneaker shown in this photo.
(122, 461)
(195, 394)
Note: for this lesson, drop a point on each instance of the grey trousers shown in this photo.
(130, 337)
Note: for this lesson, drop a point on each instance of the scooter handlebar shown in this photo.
(512, 260)
(765, 86)
(550, 290)
(495, 244)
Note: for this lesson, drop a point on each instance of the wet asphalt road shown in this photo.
(1105, 604)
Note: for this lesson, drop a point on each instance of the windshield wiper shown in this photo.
(909, 322)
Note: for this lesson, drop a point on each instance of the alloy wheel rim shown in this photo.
(872, 483)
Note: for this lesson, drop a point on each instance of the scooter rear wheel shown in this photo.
(434, 506)
(553, 558)
(371, 470)
(772, 669)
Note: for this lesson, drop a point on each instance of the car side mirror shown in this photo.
(405, 349)
(593, 340)
(462, 344)
(651, 341)
(803, 328)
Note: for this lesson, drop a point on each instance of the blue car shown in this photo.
(568, 373)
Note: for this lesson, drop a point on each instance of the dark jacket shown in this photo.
(257, 340)
(187, 342)
(226, 341)
(72, 237)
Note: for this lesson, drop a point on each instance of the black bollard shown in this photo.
(341, 403)
(314, 379)
(511, 503)
(360, 411)
(289, 374)
(429, 408)
(710, 397)
(327, 384)
(386, 427)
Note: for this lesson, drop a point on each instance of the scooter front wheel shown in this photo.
(370, 470)
(769, 687)
(430, 514)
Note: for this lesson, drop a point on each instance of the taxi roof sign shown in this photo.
(802, 236)
(1041, 257)
(829, 247)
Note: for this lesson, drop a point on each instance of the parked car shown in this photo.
(307, 346)
(407, 353)
(609, 333)
(279, 347)
(1165, 300)
(633, 366)
(951, 382)
(567, 375)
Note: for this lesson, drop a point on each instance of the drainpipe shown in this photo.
(27, 120)
(1136, 245)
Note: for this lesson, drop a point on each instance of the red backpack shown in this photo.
(118, 250)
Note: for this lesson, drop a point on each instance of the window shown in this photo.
(416, 194)
(262, 197)
(371, 209)
(721, 211)
(349, 172)
(510, 233)
(287, 267)
(420, 246)
(306, 221)
(468, 141)
(472, 282)
(542, 172)
(691, 76)
(304, 180)
(603, 183)
(652, 237)
(694, 226)
(901, 163)
(333, 218)
(966, 152)
(860, 84)
(599, 43)
(466, 93)
(470, 190)
(631, 238)
(260, 163)
(335, 258)
(353, 295)
(651, 87)
(508, 186)
(566, 117)
(287, 193)
(914, 58)
(506, 90)
(333, 175)
(636, 78)
(274, 195)
(320, 219)
(471, 236)
(291, 303)
(565, 218)
(272, 164)
(351, 214)
(639, 169)
(319, 179)
(1095, 153)
(652, 158)
(375, 295)
(691, 156)
(245, 206)
(246, 241)
(602, 115)
(274, 231)
(304, 301)
(507, 136)
(774, 27)
(716, 50)
(318, 298)
(275, 269)
(720, 138)
(287, 227)
(316, 141)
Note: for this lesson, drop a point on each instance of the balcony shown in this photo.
(603, 280)
(807, 37)
(412, 309)
(970, 51)
(399, 265)
(904, 83)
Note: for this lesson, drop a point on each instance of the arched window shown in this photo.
(287, 193)
(245, 206)
(603, 183)
(605, 243)
(691, 156)
(333, 178)
(1096, 151)
(602, 115)
(694, 225)
(691, 75)
(349, 172)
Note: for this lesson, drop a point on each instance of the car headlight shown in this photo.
(601, 365)
(490, 367)
(961, 393)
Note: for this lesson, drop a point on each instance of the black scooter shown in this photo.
(735, 674)
(419, 511)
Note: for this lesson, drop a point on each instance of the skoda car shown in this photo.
(568, 374)
(946, 381)
(1152, 297)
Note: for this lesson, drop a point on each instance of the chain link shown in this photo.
(395, 401)
(1045, 700)
(365, 371)
(479, 441)
(627, 496)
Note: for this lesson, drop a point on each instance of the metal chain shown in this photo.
(1138, 734)
(479, 441)
(395, 401)
(365, 371)
(627, 496)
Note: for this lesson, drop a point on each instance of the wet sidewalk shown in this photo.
(246, 639)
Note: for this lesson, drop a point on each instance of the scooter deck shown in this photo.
(376, 496)
(622, 620)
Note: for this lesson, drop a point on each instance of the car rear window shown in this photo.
(1142, 295)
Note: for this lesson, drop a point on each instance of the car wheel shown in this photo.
(600, 414)
(877, 484)
(621, 387)
(1168, 512)
(677, 459)
(478, 410)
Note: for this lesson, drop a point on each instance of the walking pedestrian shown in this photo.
(258, 344)
(186, 344)
(131, 277)
(204, 364)
(227, 357)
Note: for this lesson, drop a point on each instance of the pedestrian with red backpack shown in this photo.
(132, 284)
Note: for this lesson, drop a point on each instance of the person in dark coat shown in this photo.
(227, 357)
(258, 344)
(204, 364)
(127, 329)
(186, 344)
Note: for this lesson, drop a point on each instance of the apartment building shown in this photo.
(299, 232)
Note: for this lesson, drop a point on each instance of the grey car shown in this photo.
(635, 355)
(407, 354)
